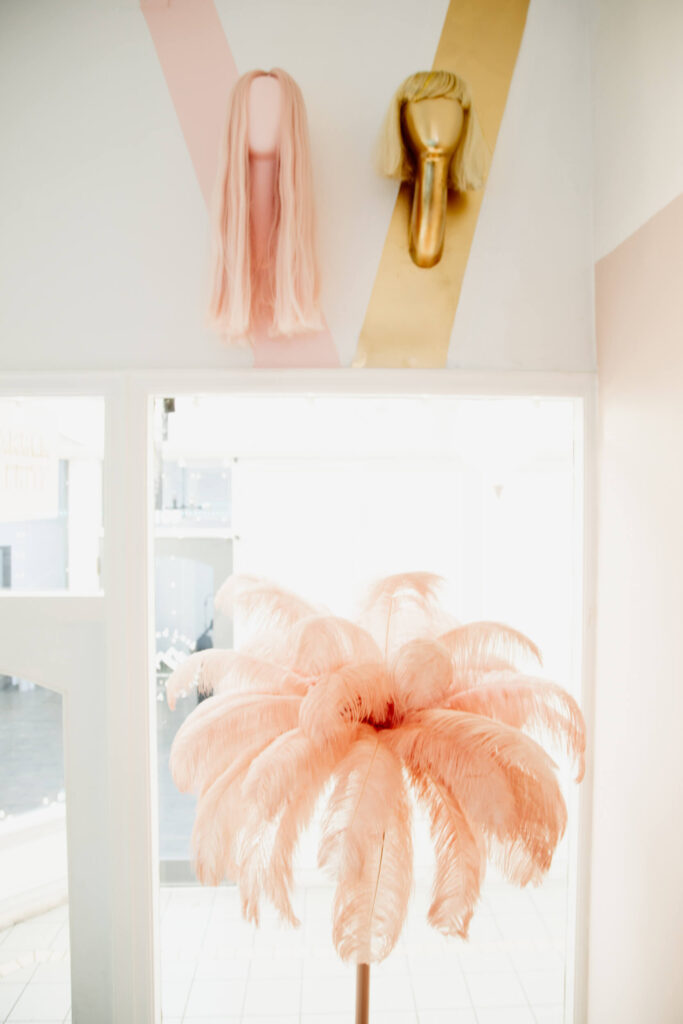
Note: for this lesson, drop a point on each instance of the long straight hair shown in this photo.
(471, 159)
(284, 287)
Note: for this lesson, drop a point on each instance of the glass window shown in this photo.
(324, 494)
(51, 453)
(34, 927)
(193, 546)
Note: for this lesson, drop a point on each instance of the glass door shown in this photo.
(324, 494)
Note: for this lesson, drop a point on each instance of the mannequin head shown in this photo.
(432, 126)
(264, 114)
(433, 110)
(266, 120)
(431, 135)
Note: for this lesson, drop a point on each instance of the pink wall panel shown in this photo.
(637, 885)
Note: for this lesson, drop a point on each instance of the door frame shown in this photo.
(124, 881)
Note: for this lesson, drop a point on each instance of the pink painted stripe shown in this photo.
(200, 71)
(306, 350)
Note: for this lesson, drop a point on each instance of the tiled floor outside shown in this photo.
(34, 969)
(215, 968)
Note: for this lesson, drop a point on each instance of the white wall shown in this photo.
(527, 295)
(102, 262)
(636, 931)
(637, 58)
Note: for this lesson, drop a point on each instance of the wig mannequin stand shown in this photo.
(362, 993)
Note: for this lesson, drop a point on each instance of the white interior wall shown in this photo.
(527, 298)
(638, 83)
(103, 262)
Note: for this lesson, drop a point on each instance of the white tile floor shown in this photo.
(34, 970)
(215, 968)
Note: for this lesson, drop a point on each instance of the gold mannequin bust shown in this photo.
(431, 135)
(431, 130)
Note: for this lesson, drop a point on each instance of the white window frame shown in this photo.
(110, 729)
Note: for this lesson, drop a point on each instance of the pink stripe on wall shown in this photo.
(200, 71)
(307, 351)
(636, 879)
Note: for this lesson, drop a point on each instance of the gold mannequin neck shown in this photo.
(431, 129)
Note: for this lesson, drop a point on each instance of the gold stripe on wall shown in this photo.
(411, 311)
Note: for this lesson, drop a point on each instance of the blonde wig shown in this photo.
(279, 288)
(471, 159)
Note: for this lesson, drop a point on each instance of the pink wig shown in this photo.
(279, 288)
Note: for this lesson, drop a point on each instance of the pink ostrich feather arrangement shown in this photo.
(314, 706)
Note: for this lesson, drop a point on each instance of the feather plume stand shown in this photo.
(360, 715)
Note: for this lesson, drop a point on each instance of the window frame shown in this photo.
(115, 970)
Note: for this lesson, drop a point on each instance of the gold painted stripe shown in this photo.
(411, 310)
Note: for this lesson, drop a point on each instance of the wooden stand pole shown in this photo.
(363, 994)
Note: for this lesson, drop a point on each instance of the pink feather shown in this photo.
(355, 693)
(220, 727)
(218, 671)
(221, 813)
(460, 857)
(534, 704)
(367, 845)
(405, 607)
(314, 699)
(287, 763)
(504, 780)
(324, 643)
(480, 646)
(270, 839)
(421, 675)
(264, 604)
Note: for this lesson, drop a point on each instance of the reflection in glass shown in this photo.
(344, 490)
(193, 547)
(34, 928)
(51, 452)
